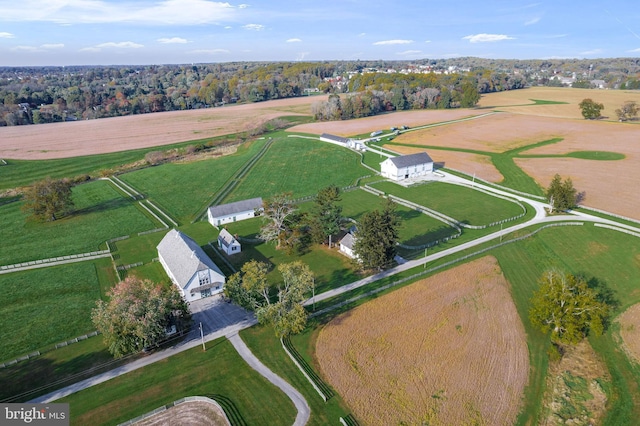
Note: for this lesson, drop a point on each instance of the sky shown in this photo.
(143, 32)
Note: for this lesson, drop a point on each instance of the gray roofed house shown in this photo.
(228, 243)
(337, 140)
(189, 267)
(406, 166)
(233, 212)
(346, 244)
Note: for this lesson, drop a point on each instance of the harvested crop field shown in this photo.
(193, 413)
(385, 121)
(480, 165)
(437, 351)
(520, 101)
(630, 331)
(87, 137)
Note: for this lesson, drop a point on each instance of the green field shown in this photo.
(183, 189)
(101, 213)
(217, 371)
(46, 306)
(300, 166)
(461, 203)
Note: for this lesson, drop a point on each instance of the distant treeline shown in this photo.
(31, 95)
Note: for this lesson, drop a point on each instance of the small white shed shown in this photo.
(228, 243)
(234, 212)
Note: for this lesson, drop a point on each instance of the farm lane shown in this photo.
(304, 412)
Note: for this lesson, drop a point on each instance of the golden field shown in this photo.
(434, 352)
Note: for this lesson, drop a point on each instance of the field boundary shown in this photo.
(43, 263)
(495, 185)
(615, 228)
(175, 404)
(318, 384)
(436, 268)
(50, 348)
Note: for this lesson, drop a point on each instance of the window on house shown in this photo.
(204, 279)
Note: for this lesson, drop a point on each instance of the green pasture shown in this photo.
(300, 166)
(101, 213)
(25, 172)
(461, 203)
(266, 346)
(218, 371)
(41, 307)
(184, 189)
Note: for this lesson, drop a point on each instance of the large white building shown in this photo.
(406, 166)
(189, 267)
(233, 212)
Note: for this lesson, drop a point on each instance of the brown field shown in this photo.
(87, 137)
(193, 413)
(574, 395)
(630, 331)
(434, 352)
(508, 101)
(384, 122)
(481, 165)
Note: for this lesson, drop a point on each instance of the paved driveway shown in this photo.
(215, 314)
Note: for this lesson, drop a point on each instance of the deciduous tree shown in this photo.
(138, 314)
(590, 109)
(629, 111)
(49, 199)
(250, 289)
(277, 211)
(376, 237)
(561, 194)
(567, 308)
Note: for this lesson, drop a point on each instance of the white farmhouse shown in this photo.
(346, 245)
(406, 166)
(233, 212)
(189, 267)
(228, 243)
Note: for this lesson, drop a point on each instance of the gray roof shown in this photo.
(411, 160)
(334, 138)
(184, 257)
(226, 238)
(237, 207)
(348, 241)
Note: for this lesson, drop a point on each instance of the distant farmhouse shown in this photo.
(189, 267)
(233, 212)
(406, 166)
(228, 243)
(347, 243)
(336, 140)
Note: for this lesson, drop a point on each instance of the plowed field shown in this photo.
(77, 138)
(630, 331)
(449, 349)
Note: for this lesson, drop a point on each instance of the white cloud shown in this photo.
(591, 52)
(159, 12)
(293, 40)
(362, 34)
(253, 27)
(6, 35)
(427, 41)
(90, 49)
(410, 53)
(391, 42)
(634, 50)
(120, 45)
(52, 46)
(532, 21)
(243, 6)
(25, 48)
(483, 38)
(228, 27)
(172, 40)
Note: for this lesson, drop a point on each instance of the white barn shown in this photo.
(406, 166)
(228, 243)
(346, 245)
(336, 140)
(233, 212)
(189, 267)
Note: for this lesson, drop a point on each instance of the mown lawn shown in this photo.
(300, 166)
(45, 306)
(463, 204)
(184, 189)
(100, 214)
(217, 371)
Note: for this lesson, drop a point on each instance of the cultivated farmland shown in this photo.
(72, 139)
(630, 331)
(456, 364)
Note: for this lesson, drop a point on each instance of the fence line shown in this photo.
(610, 214)
(304, 373)
(136, 193)
(615, 228)
(41, 262)
(441, 266)
(175, 404)
(159, 210)
(153, 214)
(56, 346)
(495, 185)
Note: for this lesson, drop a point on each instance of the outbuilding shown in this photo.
(406, 166)
(234, 212)
(189, 267)
(228, 243)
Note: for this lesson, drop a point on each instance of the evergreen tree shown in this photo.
(326, 213)
(376, 238)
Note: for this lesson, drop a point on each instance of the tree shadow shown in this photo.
(437, 165)
(604, 294)
(430, 236)
(113, 204)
